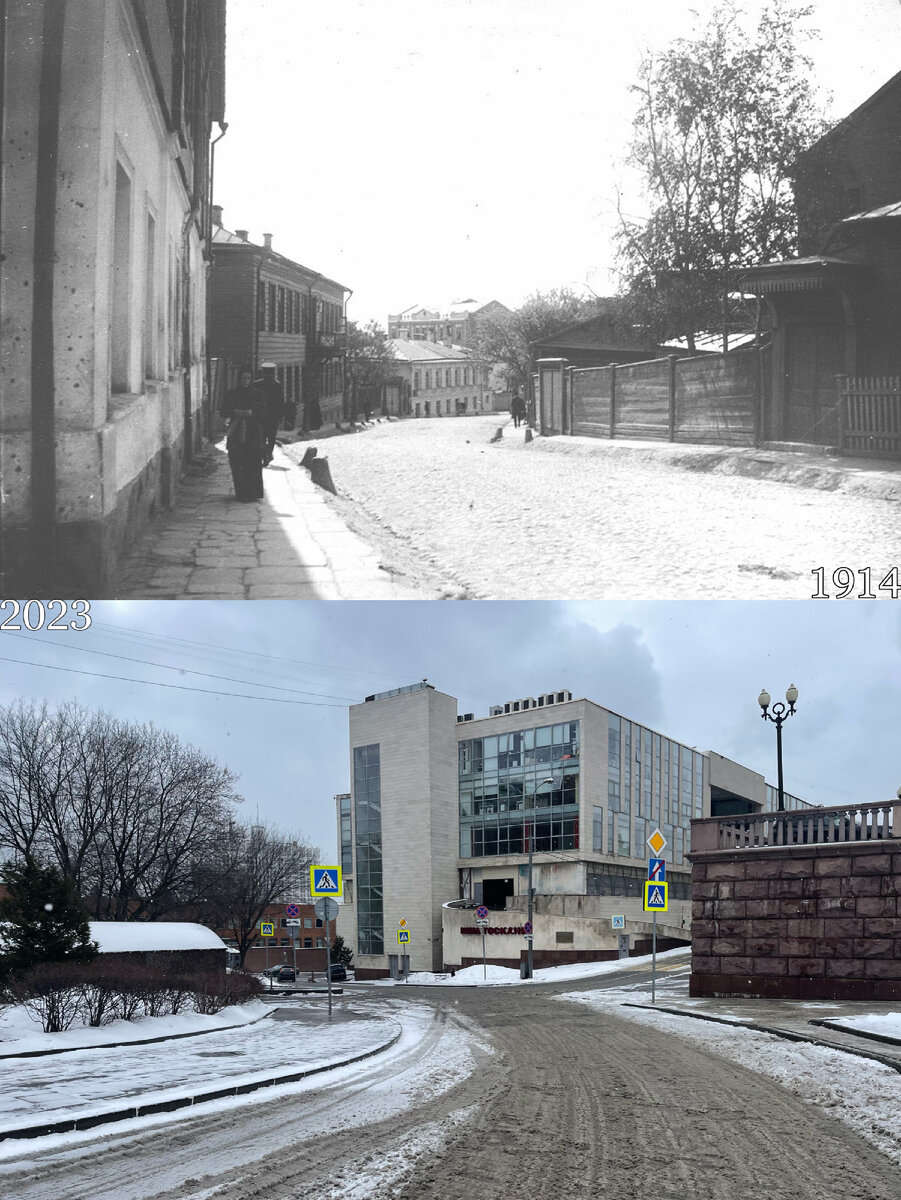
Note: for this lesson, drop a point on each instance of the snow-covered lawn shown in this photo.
(97, 1077)
(864, 1093)
(21, 1033)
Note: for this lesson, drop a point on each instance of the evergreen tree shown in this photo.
(42, 919)
(341, 952)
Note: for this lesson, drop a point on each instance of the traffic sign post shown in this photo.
(654, 889)
(326, 910)
(267, 930)
(403, 937)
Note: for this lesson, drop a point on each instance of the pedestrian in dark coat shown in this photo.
(518, 410)
(275, 408)
(244, 407)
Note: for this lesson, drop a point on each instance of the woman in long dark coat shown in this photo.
(245, 409)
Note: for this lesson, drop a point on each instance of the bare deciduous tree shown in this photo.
(720, 120)
(125, 811)
(252, 867)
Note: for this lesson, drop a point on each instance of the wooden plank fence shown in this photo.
(870, 416)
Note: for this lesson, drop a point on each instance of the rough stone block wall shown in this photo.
(818, 922)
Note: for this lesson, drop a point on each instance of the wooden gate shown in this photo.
(870, 416)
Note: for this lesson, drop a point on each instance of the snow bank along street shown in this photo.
(548, 1088)
(582, 518)
(81, 1082)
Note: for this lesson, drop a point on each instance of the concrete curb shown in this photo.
(785, 1034)
(169, 1037)
(77, 1124)
(839, 1028)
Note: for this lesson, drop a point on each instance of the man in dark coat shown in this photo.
(518, 410)
(245, 410)
(275, 407)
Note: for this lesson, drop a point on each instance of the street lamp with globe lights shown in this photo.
(777, 713)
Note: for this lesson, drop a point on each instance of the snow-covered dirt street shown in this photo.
(578, 518)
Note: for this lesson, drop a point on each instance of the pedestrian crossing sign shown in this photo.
(403, 936)
(325, 881)
(655, 896)
(267, 929)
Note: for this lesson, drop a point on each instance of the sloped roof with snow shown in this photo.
(120, 937)
(420, 351)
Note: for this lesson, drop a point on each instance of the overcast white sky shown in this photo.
(690, 670)
(421, 151)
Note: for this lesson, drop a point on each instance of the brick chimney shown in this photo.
(217, 214)
(267, 240)
(242, 234)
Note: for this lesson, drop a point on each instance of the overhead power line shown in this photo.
(279, 658)
(181, 687)
(82, 649)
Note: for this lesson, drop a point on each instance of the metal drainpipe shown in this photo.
(208, 431)
(344, 372)
(311, 322)
(43, 391)
(186, 330)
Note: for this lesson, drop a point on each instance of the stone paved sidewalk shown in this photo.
(291, 545)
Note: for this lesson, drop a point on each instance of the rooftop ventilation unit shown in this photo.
(495, 710)
(464, 717)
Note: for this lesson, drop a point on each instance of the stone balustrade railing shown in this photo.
(798, 827)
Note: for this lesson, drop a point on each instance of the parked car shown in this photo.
(286, 975)
(337, 972)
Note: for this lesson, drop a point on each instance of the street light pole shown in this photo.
(778, 715)
(531, 893)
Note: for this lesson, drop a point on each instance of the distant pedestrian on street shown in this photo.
(518, 410)
(275, 407)
(244, 407)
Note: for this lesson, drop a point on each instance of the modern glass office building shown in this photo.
(447, 809)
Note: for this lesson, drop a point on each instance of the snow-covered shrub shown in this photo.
(50, 994)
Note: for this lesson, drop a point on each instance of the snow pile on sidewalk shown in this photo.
(886, 1024)
(21, 1033)
(494, 976)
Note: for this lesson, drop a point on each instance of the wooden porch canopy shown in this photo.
(816, 273)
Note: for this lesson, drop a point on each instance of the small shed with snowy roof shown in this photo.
(179, 947)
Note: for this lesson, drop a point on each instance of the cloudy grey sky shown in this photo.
(421, 151)
(692, 670)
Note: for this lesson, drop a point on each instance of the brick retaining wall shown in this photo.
(803, 922)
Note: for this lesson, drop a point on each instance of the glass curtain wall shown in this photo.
(518, 786)
(368, 829)
(651, 781)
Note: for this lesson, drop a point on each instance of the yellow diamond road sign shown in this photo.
(402, 923)
(657, 841)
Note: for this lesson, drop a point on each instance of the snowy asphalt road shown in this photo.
(499, 1093)
(576, 518)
